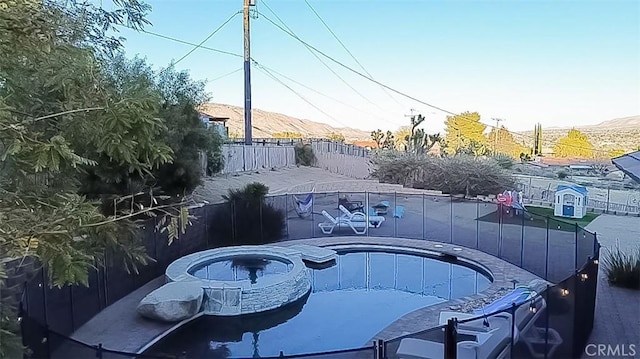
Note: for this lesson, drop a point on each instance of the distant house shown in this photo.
(218, 123)
(571, 201)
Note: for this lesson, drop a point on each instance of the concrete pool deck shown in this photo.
(119, 327)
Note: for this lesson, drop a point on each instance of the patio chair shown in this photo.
(382, 207)
(491, 342)
(303, 206)
(350, 205)
(398, 212)
(375, 221)
(358, 227)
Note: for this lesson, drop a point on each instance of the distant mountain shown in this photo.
(265, 123)
(619, 133)
(623, 122)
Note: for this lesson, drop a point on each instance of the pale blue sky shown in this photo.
(560, 63)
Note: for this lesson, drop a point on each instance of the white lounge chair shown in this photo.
(375, 221)
(358, 227)
(490, 343)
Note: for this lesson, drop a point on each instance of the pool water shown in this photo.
(350, 302)
(240, 268)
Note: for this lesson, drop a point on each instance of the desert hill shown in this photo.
(619, 133)
(265, 123)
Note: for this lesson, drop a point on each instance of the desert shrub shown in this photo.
(623, 269)
(247, 218)
(562, 174)
(504, 161)
(462, 174)
(305, 155)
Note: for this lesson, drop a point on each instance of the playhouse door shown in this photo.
(567, 211)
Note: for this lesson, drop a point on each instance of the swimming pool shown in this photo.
(350, 302)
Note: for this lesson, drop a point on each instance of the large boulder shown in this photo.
(172, 302)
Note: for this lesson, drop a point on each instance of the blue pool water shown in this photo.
(350, 302)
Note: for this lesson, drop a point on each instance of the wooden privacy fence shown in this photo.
(241, 158)
(341, 158)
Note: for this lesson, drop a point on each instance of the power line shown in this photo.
(335, 36)
(269, 74)
(316, 91)
(185, 42)
(225, 75)
(309, 48)
(207, 38)
(389, 87)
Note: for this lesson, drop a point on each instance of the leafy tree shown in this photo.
(286, 134)
(401, 137)
(575, 144)
(503, 142)
(62, 114)
(464, 134)
(336, 137)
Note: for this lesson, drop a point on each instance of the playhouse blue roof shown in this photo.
(580, 189)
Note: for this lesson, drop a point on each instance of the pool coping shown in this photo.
(135, 334)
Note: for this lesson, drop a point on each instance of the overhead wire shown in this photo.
(335, 36)
(225, 75)
(270, 75)
(290, 31)
(207, 38)
(309, 46)
(314, 90)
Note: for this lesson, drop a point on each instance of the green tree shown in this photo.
(401, 137)
(616, 152)
(464, 134)
(575, 144)
(61, 114)
(503, 142)
(336, 137)
(389, 142)
(285, 134)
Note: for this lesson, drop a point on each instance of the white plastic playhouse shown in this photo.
(571, 201)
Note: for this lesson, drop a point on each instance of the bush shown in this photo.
(247, 218)
(462, 174)
(504, 161)
(623, 269)
(562, 174)
(305, 155)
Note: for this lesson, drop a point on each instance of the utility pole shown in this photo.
(247, 74)
(497, 134)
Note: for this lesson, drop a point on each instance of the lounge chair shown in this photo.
(491, 342)
(350, 205)
(358, 227)
(375, 221)
(303, 206)
(382, 207)
(399, 212)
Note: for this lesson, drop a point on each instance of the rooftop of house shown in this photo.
(629, 164)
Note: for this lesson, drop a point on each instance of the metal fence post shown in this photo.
(546, 254)
(522, 242)
(424, 217)
(99, 351)
(546, 327)
(576, 247)
(450, 339)
(477, 223)
(450, 218)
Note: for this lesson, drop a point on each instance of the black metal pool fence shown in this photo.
(556, 324)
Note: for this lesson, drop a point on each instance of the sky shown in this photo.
(560, 63)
